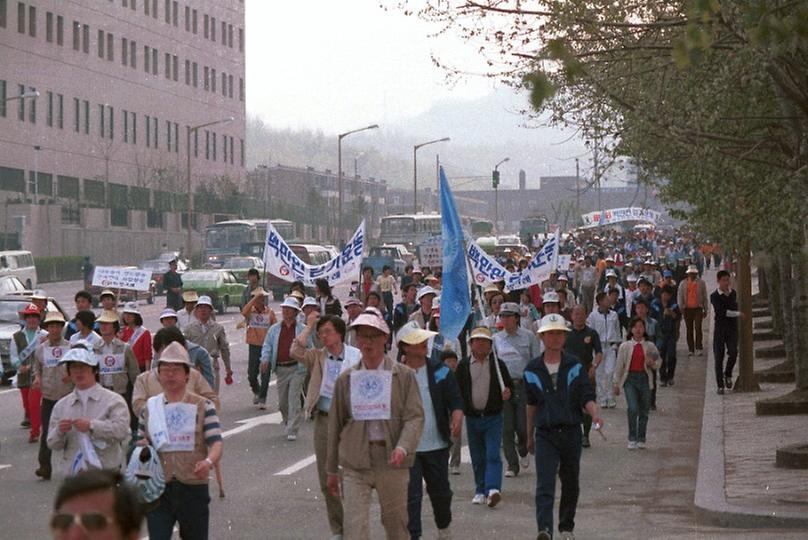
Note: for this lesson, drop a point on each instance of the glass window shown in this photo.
(168, 65)
(148, 131)
(240, 89)
(110, 51)
(60, 30)
(168, 11)
(175, 68)
(206, 25)
(196, 74)
(124, 51)
(32, 108)
(49, 115)
(194, 20)
(101, 43)
(398, 226)
(85, 39)
(101, 123)
(111, 117)
(133, 53)
(76, 115)
(187, 18)
(32, 21)
(21, 18)
(188, 72)
(125, 117)
(49, 27)
(240, 40)
(154, 61)
(206, 78)
(2, 96)
(76, 35)
(146, 58)
(230, 35)
(213, 28)
(213, 137)
(60, 102)
(86, 117)
(3, 13)
(174, 10)
(212, 80)
(224, 33)
(168, 135)
(134, 128)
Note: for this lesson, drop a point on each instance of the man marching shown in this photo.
(324, 365)
(91, 423)
(52, 379)
(210, 335)
(258, 318)
(558, 390)
(374, 425)
(443, 418)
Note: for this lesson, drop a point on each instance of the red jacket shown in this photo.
(142, 349)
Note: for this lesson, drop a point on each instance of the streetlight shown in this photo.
(339, 174)
(32, 94)
(188, 246)
(496, 192)
(415, 169)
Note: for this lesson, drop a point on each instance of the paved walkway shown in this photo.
(738, 482)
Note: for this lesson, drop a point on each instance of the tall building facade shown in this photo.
(99, 160)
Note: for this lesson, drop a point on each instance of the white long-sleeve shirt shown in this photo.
(606, 325)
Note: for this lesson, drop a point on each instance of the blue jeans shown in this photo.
(432, 467)
(183, 503)
(558, 451)
(485, 439)
(638, 400)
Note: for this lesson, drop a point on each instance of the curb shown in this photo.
(710, 499)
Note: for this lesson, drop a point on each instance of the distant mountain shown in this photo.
(483, 132)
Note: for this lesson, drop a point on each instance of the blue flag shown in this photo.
(455, 302)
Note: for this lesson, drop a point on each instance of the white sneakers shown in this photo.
(699, 352)
(524, 462)
(479, 498)
(444, 534)
(454, 470)
(255, 399)
(509, 474)
(632, 445)
(494, 496)
(291, 437)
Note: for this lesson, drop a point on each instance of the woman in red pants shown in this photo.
(23, 343)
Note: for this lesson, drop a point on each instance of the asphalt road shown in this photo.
(272, 490)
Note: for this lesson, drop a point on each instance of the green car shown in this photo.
(221, 285)
(242, 264)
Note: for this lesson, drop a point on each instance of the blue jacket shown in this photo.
(445, 395)
(201, 359)
(269, 351)
(561, 405)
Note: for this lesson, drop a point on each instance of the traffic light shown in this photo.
(495, 178)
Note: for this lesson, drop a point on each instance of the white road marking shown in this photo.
(8, 391)
(302, 464)
(4, 467)
(249, 423)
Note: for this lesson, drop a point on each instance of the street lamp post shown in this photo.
(339, 175)
(496, 195)
(415, 170)
(194, 129)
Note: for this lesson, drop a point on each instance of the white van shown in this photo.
(19, 264)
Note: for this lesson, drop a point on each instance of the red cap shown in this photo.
(31, 309)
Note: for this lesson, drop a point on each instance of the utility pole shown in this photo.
(437, 182)
(415, 170)
(577, 191)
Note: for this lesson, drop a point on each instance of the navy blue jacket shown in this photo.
(560, 405)
(445, 396)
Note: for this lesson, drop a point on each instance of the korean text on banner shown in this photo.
(282, 262)
(112, 277)
(455, 296)
(487, 270)
(617, 215)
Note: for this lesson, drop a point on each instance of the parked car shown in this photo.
(158, 268)
(124, 295)
(19, 264)
(12, 285)
(240, 265)
(10, 308)
(221, 285)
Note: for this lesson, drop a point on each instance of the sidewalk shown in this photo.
(738, 484)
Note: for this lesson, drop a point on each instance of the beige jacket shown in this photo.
(701, 295)
(212, 338)
(624, 360)
(118, 382)
(348, 444)
(52, 379)
(314, 360)
(147, 385)
(109, 427)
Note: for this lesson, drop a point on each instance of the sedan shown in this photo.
(221, 285)
(10, 322)
(241, 265)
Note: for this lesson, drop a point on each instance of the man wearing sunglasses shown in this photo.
(96, 504)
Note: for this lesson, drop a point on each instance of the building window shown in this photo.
(49, 27)
(60, 117)
(86, 117)
(101, 120)
(224, 147)
(168, 11)
(231, 150)
(188, 72)
(196, 143)
(124, 51)
(196, 74)
(241, 150)
(168, 135)
(21, 104)
(32, 21)
(206, 78)
(207, 144)
(111, 117)
(194, 20)
(154, 61)
(240, 89)
(110, 50)
(154, 9)
(101, 43)
(224, 33)
(212, 80)
(146, 58)
(156, 132)
(187, 18)
(240, 40)
(154, 219)
(146, 7)
(76, 115)
(134, 128)
(49, 115)
(168, 65)
(60, 30)
(133, 53)
(224, 85)
(175, 68)
(125, 117)
(119, 217)
(213, 28)
(205, 25)
(176, 138)
(76, 35)
(32, 108)
(174, 11)
(85, 39)
(148, 131)
(3, 13)
(213, 140)
(2, 93)
(21, 19)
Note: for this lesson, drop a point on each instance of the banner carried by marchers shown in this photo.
(118, 277)
(487, 270)
(282, 262)
(616, 215)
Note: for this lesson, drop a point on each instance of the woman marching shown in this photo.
(636, 358)
(138, 338)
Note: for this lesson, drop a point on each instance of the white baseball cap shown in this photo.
(423, 291)
(551, 322)
(290, 302)
(131, 307)
(80, 354)
(168, 312)
(204, 300)
(551, 297)
(412, 334)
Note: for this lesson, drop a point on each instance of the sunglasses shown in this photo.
(90, 521)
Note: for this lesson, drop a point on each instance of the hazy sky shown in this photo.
(336, 65)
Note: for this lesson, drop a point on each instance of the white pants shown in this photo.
(605, 373)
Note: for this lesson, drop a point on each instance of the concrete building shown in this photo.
(310, 198)
(96, 164)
